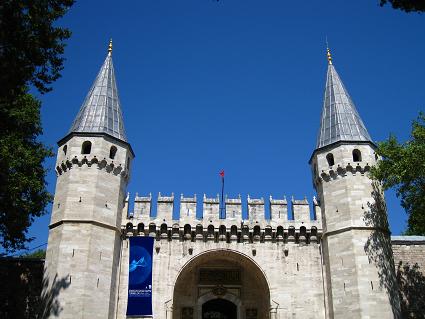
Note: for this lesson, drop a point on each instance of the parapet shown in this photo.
(142, 206)
(187, 209)
(247, 220)
(300, 209)
(278, 209)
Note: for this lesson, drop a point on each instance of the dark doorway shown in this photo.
(219, 309)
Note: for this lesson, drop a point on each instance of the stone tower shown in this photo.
(93, 169)
(357, 257)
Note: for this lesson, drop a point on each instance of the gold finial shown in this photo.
(110, 46)
(329, 55)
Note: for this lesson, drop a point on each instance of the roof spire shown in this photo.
(110, 46)
(101, 110)
(340, 120)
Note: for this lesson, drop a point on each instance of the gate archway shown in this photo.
(221, 283)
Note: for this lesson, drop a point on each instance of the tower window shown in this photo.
(330, 159)
(112, 152)
(357, 156)
(65, 149)
(86, 148)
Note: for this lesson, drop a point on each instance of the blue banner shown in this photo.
(140, 277)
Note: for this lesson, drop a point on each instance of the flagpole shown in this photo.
(223, 204)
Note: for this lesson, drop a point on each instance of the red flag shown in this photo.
(222, 173)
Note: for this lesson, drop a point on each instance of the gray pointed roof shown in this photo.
(101, 110)
(340, 120)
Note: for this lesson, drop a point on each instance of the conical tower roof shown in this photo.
(101, 109)
(340, 120)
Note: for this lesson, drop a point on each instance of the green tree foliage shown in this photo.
(406, 5)
(39, 253)
(31, 46)
(31, 49)
(403, 167)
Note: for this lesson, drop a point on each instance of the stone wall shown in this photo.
(281, 250)
(297, 283)
(409, 259)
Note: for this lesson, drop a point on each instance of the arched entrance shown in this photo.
(219, 309)
(221, 284)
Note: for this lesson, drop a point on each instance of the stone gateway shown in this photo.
(334, 260)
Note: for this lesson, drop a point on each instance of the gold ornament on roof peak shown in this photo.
(329, 55)
(110, 46)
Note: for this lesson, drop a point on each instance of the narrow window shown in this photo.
(65, 149)
(112, 152)
(330, 159)
(357, 156)
(86, 148)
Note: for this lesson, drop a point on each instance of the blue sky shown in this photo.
(237, 85)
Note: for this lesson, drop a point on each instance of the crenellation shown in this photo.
(300, 210)
(211, 207)
(212, 199)
(187, 199)
(142, 206)
(164, 208)
(187, 209)
(232, 228)
(143, 198)
(211, 210)
(256, 211)
(278, 210)
(234, 208)
(317, 212)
